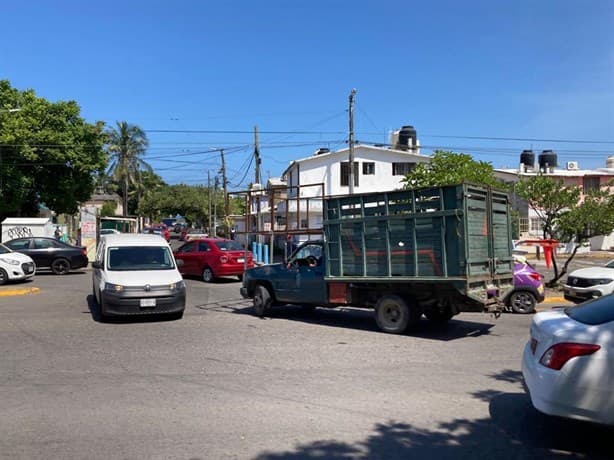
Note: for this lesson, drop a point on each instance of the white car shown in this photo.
(568, 362)
(588, 283)
(15, 265)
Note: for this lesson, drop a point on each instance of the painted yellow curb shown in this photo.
(23, 291)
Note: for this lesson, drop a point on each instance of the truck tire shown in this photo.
(262, 300)
(393, 315)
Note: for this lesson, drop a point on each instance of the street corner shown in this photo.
(14, 291)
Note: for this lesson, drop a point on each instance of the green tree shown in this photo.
(108, 209)
(49, 155)
(447, 168)
(565, 217)
(126, 144)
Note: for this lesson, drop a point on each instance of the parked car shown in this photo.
(51, 253)
(109, 231)
(159, 229)
(137, 275)
(568, 362)
(193, 233)
(15, 266)
(213, 257)
(588, 283)
(528, 288)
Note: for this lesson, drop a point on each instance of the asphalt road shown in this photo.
(223, 384)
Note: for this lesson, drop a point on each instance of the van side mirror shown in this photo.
(98, 265)
(179, 262)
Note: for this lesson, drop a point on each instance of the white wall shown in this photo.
(326, 168)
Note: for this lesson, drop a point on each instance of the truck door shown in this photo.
(302, 281)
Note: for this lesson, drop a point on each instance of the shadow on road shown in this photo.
(514, 430)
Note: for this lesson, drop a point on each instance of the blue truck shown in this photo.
(432, 252)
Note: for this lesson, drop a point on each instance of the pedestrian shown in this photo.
(58, 233)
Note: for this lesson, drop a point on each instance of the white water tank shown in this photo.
(609, 162)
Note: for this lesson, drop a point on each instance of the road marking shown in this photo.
(23, 291)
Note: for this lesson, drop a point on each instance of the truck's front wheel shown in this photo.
(392, 314)
(262, 300)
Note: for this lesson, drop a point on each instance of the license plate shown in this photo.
(148, 302)
(241, 260)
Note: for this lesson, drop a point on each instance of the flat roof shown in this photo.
(134, 239)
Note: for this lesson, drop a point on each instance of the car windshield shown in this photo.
(140, 258)
(229, 245)
(593, 312)
(4, 249)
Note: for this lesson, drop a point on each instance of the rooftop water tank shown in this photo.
(407, 138)
(547, 160)
(322, 150)
(609, 162)
(527, 159)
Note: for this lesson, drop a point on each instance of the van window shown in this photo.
(128, 258)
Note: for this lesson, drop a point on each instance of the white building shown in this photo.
(571, 175)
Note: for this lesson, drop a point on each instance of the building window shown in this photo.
(401, 169)
(368, 168)
(345, 174)
(590, 184)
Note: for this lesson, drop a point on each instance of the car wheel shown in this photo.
(262, 300)
(101, 309)
(60, 266)
(208, 275)
(4, 277)
(392, 314)
(522, 302)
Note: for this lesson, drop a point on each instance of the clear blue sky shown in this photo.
(525, 69)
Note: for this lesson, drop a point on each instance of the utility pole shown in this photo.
(209, 193)
(216, 183)
(351, 141)
(257, 155)
(226, 201)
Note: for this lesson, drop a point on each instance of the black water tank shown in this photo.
(322, 150)
(527, 158)
(547, 159)
(407, 137)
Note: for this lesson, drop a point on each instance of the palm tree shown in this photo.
(125, 144)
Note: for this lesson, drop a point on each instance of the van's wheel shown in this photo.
(438, 316)
(393, 315)
(240, 277)
(208, 275)
(262, 300)
(4, 277)
(103, 315)
(60, 266)
(522, 302)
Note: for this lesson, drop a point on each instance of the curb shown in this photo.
(23, 291)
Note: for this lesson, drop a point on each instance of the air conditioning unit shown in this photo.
(571, 165)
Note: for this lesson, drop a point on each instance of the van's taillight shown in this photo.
(557, 355)
(224, 259)
(84, 251)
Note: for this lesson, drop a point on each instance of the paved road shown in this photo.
(223, 384)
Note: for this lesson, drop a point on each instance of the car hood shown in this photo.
(18, 256)
(593, 272)
(143, 277)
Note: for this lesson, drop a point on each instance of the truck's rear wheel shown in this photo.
(262, 300)
(393, 315)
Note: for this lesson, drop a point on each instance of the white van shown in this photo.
(136, 274)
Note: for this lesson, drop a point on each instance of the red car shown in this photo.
(159, 229)
(213, 257)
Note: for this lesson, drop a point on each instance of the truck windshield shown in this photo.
(125, 258)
